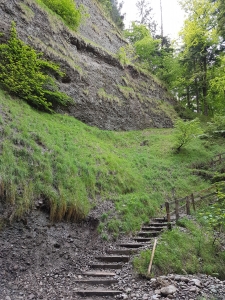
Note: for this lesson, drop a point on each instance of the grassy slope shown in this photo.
(69, 164)
(189, 248)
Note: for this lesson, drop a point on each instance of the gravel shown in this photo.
(40, 260)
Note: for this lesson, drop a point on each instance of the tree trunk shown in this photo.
(204, 86)
(196, 90)
(188, 97)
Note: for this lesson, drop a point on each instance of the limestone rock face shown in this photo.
(105, 93)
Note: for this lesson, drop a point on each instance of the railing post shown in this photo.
(167, 205)
(177, 209)
(188, 206)
(193, 201)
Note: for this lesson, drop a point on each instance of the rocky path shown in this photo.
(39, 260)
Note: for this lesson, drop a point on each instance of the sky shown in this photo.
(173, 16)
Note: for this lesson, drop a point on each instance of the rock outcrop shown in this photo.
(105, 93)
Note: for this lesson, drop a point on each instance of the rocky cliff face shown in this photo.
(106, 94)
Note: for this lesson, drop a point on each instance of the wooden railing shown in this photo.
(218, 159)
(183, 206)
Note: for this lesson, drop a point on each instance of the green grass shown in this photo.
(69, 165)
(187, 249)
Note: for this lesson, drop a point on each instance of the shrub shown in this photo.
(67, 10)
(23, 73)
(185, 132)
(217, 126)
(126, 55)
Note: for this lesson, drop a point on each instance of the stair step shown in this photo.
(132, 245)
(98, 292)
(164, 224)
(148, 233)
(115, 258)
(159, 220)
(152, 228)
(98, 274)
(122, 251)
(143, 240)
(97, 281)
(106, 266)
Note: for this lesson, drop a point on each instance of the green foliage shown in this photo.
(113, 9)
(185, 132)
(126, 55)
(216, 127)
(25, 74)
(190, 250)
(136, 33)
(214, 215)
(67, 10)
(201, 58)
(147, 50)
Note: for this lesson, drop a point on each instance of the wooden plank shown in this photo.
(193, 201)
(167, 211)
(188, 206)
(208, 195)
(177, 209)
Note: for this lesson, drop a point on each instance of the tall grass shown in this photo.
(68, 165)
(188, 249)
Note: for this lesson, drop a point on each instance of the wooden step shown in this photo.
(132, 245)
(148, 233)
(122, 251)
(160, 220)
(143, 240)
(99, 274)
(152, 228)
(98, 292)
(106, 266)
(158, 224)
(97, 281)
(113, 258)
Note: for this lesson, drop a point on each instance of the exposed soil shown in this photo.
(39, 260)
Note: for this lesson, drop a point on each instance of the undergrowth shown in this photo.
(188, 248)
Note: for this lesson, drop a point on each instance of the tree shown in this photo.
(200, 47)
(220, 15)
(145, 16)
(113, 9)
(146, 47)
(185, 132)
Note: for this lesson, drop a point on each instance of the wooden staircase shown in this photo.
(102, 272)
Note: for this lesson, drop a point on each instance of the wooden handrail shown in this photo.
(189, 200)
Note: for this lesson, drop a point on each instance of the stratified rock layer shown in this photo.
(105, 93)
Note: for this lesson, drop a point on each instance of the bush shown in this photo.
(185, 132)
(67, 10)
(126, 55)
(23, 73)
(216, 127)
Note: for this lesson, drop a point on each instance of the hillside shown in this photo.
(106, 94)
(70, 167)
(76, 182)
(54, 167)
